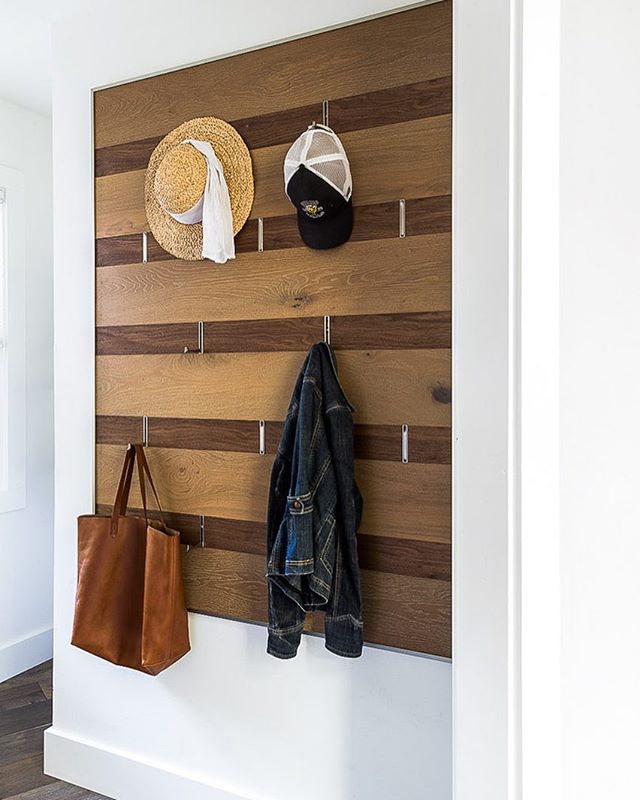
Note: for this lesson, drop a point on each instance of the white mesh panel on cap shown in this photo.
(320, 150)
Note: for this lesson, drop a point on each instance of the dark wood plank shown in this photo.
(135, 339)
(24, 717)
(23, 776)
(356, 112)
(405, 557)
(429, 330)
(125, 249)
(421, 330)
(118, 430)
(204, 434)
(412, 557)
(34, 675)
(124, 157)
(21, 695)
(15, 746)
(58, 791)
(187, 524)
(425, 215)
(427, 445)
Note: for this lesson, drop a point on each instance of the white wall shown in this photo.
(26, 535)
(600, 397)
(227, 716)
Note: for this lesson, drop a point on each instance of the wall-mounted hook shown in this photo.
(145, 431)
(404, 448)
(327, 329)
(402, 219)
(145, 247)
(201, 530)
(260, 235)
(262, 438)
(325, 113)
(200, 348)
(187, 547)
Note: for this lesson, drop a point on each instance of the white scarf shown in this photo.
(213, 209)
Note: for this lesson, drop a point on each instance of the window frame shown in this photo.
(13, 416)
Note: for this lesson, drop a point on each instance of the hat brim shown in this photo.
(325, 233)
(185, 241)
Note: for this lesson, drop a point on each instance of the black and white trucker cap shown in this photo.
(317, 180)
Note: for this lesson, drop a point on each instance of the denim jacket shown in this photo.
(314, 512)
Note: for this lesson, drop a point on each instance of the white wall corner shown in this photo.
(22, 654)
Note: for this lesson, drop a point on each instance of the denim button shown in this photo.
(297, 505)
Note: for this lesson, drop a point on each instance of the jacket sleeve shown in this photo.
(343, 621)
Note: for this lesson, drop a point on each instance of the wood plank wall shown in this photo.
(388, 83)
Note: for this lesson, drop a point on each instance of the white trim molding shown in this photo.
(117, 774)
(22, 654)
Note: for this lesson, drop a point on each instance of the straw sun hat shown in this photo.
(177, 176)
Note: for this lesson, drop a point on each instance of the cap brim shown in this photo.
(322, 234)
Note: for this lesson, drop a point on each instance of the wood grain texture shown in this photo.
(120, 197)
(398, 610)
(422, 559)
(400, 500)
(356, 112)
(271, 79)
(428, 330)
(386, 386)
(427, 445)
(424, 216)
(390, 276)
(21, 743)
(169, 338)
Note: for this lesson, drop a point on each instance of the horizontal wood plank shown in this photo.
(390, 276)
(120, 197)
(388, 52)
(386, 386)
(427, 445)
(423, 216)
(398, 610)
(356, 112)
(409, 501)
(428, 330)
(422, 559)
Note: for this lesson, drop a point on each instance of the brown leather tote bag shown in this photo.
(130, 607)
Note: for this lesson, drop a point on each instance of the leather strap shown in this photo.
(124, 487)
(145, 473)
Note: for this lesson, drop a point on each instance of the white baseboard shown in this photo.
(22, 654)
(119, 775)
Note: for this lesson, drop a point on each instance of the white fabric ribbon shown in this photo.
(213, 209)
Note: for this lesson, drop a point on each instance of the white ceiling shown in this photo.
(25, 48)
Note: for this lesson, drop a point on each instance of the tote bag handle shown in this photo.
(145, 473)
(124, 487)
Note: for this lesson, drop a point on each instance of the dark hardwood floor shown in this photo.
(25, 712)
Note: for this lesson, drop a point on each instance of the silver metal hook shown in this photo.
(327, 329)
(200, 348)
(404, 447)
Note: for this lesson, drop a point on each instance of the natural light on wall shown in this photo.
(12, 341)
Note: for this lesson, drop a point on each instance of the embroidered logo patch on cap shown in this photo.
(312, 208)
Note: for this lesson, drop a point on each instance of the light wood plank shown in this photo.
(391, 51)
(426, 172)
(400, 500)
(386, 386)
(384, 276)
